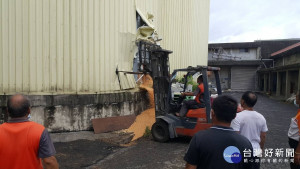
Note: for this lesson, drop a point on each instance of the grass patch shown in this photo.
(147, 133)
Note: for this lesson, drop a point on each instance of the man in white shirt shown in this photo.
(251, 124)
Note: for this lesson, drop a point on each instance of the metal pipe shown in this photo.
(213, 68)
(139, 78)
(267, 60)
(206, 95)
(128, 72)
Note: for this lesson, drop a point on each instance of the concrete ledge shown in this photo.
(60, 113)
(84, 99)
(117, 137)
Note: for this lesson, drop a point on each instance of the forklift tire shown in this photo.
(160, 131)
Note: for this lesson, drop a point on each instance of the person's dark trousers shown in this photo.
(188, 104)
(293, 144)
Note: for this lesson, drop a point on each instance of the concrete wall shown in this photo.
(224, 74)
(289, 60)
(61, 113)
(283, 83)
(225, 77)
(250, 55)
(293, 86)
(285, 79)
(235, 54)
(278, 62)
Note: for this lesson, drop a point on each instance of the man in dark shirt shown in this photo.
(220, 146)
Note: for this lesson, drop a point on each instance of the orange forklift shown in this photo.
(155, 61)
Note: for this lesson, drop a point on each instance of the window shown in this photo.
(243, 50)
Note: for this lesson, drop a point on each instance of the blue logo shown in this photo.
(232, 154)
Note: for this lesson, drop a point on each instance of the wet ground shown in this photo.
(147, 154)
(82, 153)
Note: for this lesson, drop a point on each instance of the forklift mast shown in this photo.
(155, 60)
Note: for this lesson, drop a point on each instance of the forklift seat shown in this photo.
(197, 113)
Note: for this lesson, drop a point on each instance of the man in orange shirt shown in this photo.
(193, 104)
(23, 143)
(294, 135)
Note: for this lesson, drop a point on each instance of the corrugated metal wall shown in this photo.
(75, 46)
(65, 46)
(188, 37)
(183, 26)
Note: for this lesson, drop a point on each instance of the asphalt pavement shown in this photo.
(148, 154)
